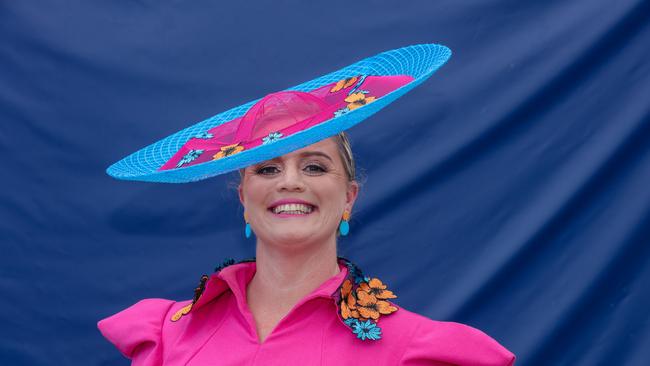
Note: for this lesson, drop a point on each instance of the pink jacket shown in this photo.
(217, 328)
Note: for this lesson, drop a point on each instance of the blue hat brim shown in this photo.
(418, 61)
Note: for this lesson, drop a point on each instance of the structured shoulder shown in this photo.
(140, 330)
(449, 342)
(137, 330)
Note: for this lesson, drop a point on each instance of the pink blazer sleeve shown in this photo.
(137, 331)
(445, 343)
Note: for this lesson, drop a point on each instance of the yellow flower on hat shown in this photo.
(356, 100)
(344, 83)
(227, 151)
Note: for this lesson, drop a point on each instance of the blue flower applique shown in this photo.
(366, 330)
(341, 112)
(272, 137)
(189, 157)
(204, 135)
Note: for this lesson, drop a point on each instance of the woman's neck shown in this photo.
(283, 277)
(292, 274)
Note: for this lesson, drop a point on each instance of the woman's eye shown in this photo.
(267, 170)
(313, 168)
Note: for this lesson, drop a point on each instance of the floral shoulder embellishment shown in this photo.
(197, 294)
(227, 262)
(362, 302)
(198, 291)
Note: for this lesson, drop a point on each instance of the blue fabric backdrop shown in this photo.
(508, 192)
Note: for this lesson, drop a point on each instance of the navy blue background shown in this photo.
(508, 192)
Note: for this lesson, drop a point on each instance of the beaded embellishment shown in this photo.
(197, 293)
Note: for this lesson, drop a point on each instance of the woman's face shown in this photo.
(298, 198)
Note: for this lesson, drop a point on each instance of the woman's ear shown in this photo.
(351, 194)
(240, 191)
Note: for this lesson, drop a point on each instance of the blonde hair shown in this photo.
(345, 152)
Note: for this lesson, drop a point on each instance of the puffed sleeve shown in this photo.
(137, 331)
(443, 343)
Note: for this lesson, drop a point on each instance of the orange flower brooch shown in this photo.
(362, 301)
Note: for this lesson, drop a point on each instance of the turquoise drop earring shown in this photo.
(247, 230)
(344, 226)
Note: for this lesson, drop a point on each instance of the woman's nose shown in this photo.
(292, 180)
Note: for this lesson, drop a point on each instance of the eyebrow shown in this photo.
(303, 155)
(307, 154)
(315, 153)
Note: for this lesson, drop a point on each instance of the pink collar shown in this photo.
(237, 276)
(360, 300)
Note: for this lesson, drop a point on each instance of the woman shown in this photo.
(297, 303)
(293, 305)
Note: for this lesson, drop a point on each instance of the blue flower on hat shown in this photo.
(272, 137)
(341, 112)
(189, 157)
(204, 135)
(366, 330)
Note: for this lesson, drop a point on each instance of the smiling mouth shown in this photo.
(293, 209)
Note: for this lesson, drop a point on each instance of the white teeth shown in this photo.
(293, 208)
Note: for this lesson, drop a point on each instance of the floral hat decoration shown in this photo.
(284, 121)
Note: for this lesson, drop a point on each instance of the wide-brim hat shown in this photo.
(285, 121)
